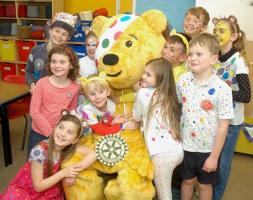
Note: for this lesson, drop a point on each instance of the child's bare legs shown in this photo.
(205, 191)
(187, 188)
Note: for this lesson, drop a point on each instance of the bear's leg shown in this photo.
(129, 185)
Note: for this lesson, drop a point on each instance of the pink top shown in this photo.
(47, 103)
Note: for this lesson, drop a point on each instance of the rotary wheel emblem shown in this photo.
(111, 149)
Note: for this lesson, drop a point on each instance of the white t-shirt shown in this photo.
(202, 106)
(87, 66)
(227, 71)
(157, 134)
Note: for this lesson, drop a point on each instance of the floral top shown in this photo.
(157, 133)
(99, 122)
(202, 107)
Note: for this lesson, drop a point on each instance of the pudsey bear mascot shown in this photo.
(126, 43)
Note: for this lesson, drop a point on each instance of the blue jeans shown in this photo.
(34, 138)
(226, 161)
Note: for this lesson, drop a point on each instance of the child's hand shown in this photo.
(71, 171)
(119, 119)
(131, 125)
(137, 86)
(69, 181)
(210, 164)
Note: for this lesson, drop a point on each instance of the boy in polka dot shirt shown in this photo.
(206, 110)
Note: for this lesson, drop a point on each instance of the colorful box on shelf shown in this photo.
(23, 32)
(2, 10)
(10, 10)
(7, 69)
(33, 11)
(24, 48)
(7, 50)
(5, 29)
(22, 10)
(21, 69)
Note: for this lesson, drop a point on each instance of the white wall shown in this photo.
(241, 9)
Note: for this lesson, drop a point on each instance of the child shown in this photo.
(196, 21)
(175, 51)
(98, 109)
(53, 93)
(206, 110)
(60, 31)
(234, 71)
(87, 63)
(40, 177)
(156, 105)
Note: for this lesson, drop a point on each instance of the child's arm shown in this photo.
(89, 158)
(225, 113)
(74, 101)
(35, 113)
(210, 164)
(243, 95)
(40, 184)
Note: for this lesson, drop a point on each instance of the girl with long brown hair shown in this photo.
(156, 106)
(39, 178)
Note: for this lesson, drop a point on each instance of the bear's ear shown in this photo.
(156, 20)
(101, 23)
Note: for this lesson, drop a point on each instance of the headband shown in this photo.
(183, 38)
(74, 113)
(101, 77)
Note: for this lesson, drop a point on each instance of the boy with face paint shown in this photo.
(60, 31)
(196, 21)
(233, 69)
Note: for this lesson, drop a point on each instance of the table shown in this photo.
(9, 92)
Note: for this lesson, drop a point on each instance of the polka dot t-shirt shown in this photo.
(202, 107)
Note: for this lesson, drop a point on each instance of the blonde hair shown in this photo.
(165, 95)
(208, 40)
(198, 12)
(96, 82)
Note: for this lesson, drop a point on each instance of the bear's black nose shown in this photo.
(110, 59)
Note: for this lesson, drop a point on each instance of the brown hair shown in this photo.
(173, 39)
(67, 150)
(208, 40)
(165, 95)
(67, 51)
(198, 12)
(239, 43)
(90, 34)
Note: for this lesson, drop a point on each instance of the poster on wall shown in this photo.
(174, 10)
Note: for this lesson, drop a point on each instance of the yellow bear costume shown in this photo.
(126, 43)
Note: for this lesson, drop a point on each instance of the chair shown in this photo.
(20, 107)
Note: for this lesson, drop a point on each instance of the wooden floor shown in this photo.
(240, 185)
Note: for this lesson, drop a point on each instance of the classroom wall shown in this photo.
(75, 6)
(174, 10)
(242, 9)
